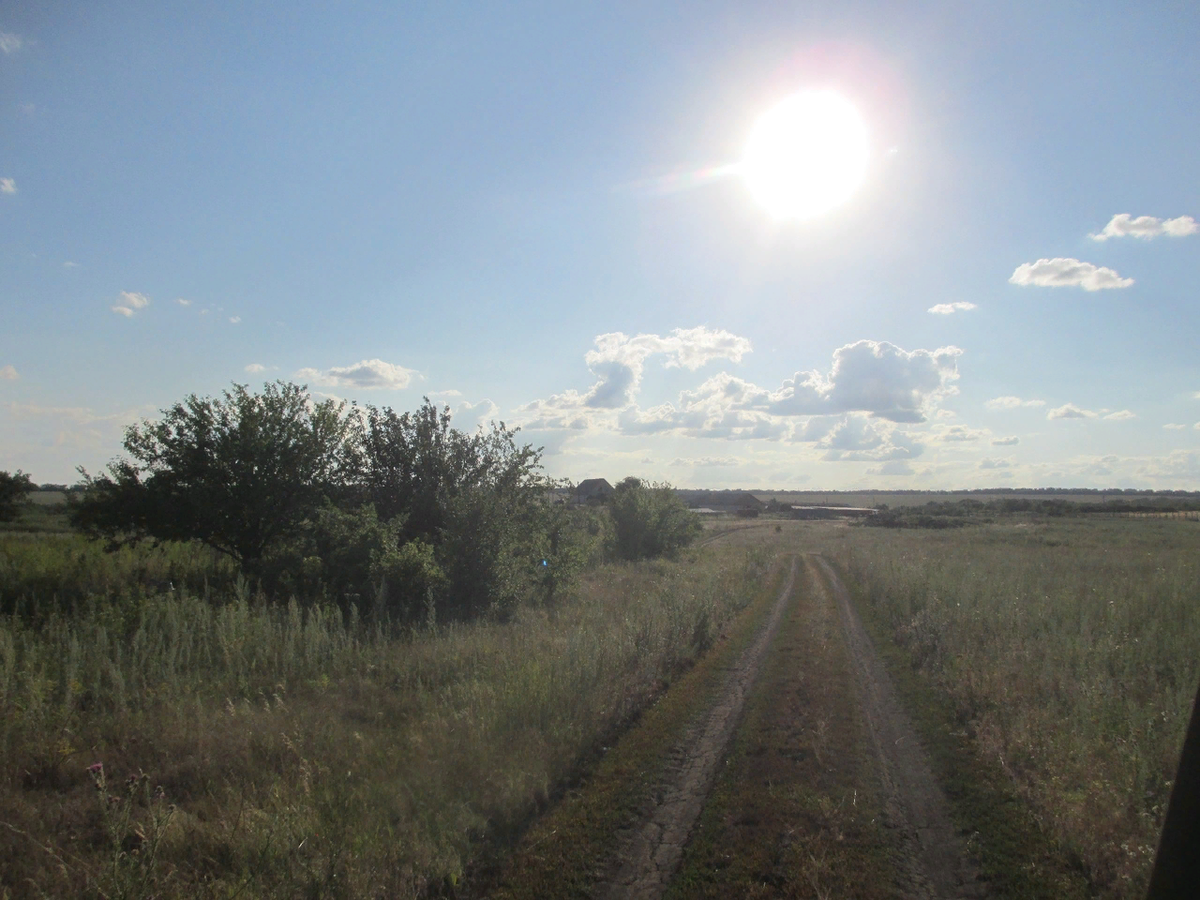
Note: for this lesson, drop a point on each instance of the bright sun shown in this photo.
(806, 155)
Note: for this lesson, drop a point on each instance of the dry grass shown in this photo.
(303, 755)
(1069, 653)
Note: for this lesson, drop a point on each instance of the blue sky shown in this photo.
(512, 208)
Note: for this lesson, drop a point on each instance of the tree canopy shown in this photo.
(14, 490)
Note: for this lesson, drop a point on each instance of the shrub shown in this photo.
(649, 520)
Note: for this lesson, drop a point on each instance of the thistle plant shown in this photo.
(129, 871)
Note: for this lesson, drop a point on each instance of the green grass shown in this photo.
(1065, 654)
(796, 810)
(305, 753)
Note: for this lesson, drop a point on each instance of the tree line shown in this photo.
(397, 511)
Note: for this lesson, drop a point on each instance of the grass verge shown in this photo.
(1016, 855)
(569, 851)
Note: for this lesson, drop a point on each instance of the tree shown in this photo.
(477, 498)
(237, 473)
(14, 490)
(649, 520)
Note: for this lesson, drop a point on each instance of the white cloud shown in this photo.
(1012, 403)
(892, 467)
(1066, 272)
(450, 393)
(858, 438)
(1121, 415)
(946, 309)
(618, 359)
(1006, 441)
(1146, 227)
(9, 373)
(256, 367)
(234, 320)
(368, 374)
(8, 186)
(130, 303)
(867, 376)
(483, 411)
(70, 265)
(990, 463)
(1197, 426)
(1172, 426)
(10, 43)
(1070, 411)
(183, 302)
(705, 461)
(959, 434)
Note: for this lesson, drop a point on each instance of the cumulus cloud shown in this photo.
(618, 360)
(10, 43)
(874, 377)
(705, 461)
(70, 265)
(1121, 414)
(182, 302)
(946, 309)
(369, 374)
(1066, 272)
(959, 434)
(1011, 403)
(1006, 441)
(130, 303)
(483, 411)
(234, 320)
(892, 467)
(9, 373)
(989, 463)
(1173, 426)
(256, 367)
(1146, 227)
(8, 186)
(858, 438)
(1070, 411)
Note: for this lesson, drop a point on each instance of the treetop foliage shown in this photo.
(14, 490)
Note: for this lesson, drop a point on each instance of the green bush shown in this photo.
(649, 520)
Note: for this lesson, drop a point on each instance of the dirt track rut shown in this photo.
(655, 847)
(934, 858)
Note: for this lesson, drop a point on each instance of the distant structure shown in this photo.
(832, 512)
(741, 503)
(593, 490)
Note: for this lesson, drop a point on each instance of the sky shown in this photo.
(542, 214)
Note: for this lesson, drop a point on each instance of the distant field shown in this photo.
(920, 498)
(48, 498)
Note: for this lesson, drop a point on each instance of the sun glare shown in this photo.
(806, 155)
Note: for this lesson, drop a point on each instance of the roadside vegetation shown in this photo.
(290, 649)
(1066, 650)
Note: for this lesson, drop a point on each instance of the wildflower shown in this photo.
(96, 768)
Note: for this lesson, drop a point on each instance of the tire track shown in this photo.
(935, 863)
(653, 852)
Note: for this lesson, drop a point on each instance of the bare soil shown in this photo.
(651, 853)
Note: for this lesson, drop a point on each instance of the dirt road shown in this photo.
(930, 857)
(933, 856)
(651, 854)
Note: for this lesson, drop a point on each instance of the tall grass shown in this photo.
(1070, 651)
(308, 753)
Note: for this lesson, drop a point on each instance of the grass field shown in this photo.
(303, 752)
(1068, 652)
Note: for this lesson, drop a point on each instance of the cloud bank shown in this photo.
(370, 374)
(946, 309)
(1146, 227)
(1066, 272)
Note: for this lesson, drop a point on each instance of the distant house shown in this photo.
(593, 490)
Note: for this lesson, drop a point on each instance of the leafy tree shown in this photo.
(238, 473)
(477, 498)
(649, 520)
(14, 490)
